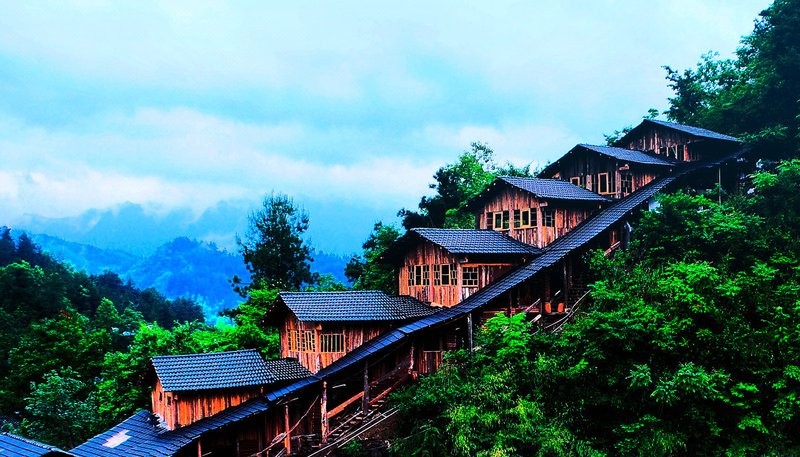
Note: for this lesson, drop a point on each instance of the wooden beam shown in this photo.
(345, 404)
(287, 439)
(365, 398)
(324, 412)
(565, 278)
(199, 448)
(469, 331)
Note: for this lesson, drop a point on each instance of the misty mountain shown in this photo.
(178, 268)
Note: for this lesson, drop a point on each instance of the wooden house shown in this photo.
(192, 387)
(444, 266)
(318, 328)
(682, 143)
(534, 211)
(609, 171)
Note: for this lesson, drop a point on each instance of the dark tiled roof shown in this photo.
(695, 131)
(353, 306)
(216, 370)
(286, 370)
(461, 241)
(546, 189)
(13, 445)
(143, 435)
(629, 155)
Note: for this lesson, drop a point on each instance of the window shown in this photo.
(526, 218)
(490, 220)
(469, 277)
(291, 343)
(445, 274)
(498, 221)
(411, 275)
(505, 220)
(576, 180)
(437, 275)
(602, 183)
(309, 344)
(453, 274)
(418, 275)
(331, 342)
(626, 182)
(548, 217)
(517, 218)
(534, 217)
(426, 275)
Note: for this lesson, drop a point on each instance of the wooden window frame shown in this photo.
(437, 275)
(517, 221)
(489, 220)
(309, 341)
(445, 274)
(470, 276)
(331, 343)
(497, 223)
(601, 181)
(410, 271)
(525, 218)
(575, 180)
(453, 274)
(548, 217)
(506, 220)
(626, 178)
(417, 275)
(291, 340)
(426, 275)
(534, 217)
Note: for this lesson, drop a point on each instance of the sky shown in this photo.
(348, 107)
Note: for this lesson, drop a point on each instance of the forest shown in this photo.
(689, 345)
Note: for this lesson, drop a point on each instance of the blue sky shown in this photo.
(348, 106)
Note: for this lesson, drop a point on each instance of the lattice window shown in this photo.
(626, 183)
(469, 277)
(534, 217)
(453, 274)
(602, 183)
(418, 275)
(505, 220)
(498, 221)
(525, 218)
(445, 274)
(291, 340)
(490, 220)
(331, 342)
(437, 275)
(309, 342)
(517, 218)
(548, 217)
(410, 271)
(426, 275)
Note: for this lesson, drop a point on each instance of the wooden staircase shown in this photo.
(354, 425)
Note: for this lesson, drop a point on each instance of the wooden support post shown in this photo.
(365, 397)
(287, 439)
(324, 412)
(469, 331)
(565, 278)
(199, 448)
(719, 184)
(411, 357)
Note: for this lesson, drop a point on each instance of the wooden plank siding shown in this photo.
(567, 215)
(429, 254)
(667, 142)
(311, 355)
(179, 409)
(585, 169)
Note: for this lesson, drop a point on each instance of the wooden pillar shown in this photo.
(324, 412)
(565, 278)
(411, 357)
(287, 439)
(469, 331)
(365, 398)
(199, 448)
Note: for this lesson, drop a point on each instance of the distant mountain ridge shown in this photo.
(182, 267)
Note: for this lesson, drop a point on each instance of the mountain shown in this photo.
(179, 268)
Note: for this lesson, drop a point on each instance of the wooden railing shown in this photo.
(559, 324)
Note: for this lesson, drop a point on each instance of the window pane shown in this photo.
(498, 221)
(526, 218)
(446, 275)
(517, 218)
(490, 220)
(534, 217)
(437, 275)
(426, 275)
(505, 220)
(469, 277)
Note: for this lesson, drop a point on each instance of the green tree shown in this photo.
(61, 410)
(7, 248)
(366, 271)
(273, 247)
(455, 184)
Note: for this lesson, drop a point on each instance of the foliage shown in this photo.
(689, 347)
(273, 248)
(456, 183)
(366, 271)
(754, 95)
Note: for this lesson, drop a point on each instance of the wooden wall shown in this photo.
(676, 145)
(427, 253)
(179, 409)
(567, 216)
(587, 165)
(355, 334)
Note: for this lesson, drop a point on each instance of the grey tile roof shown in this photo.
(464, 241)
(554, 189)
(629, 155)
(25, 447)
(142, 435)
(216, 370)
(353, 306)
(286, 370)
(691, 130)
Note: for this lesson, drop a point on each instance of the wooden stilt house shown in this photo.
(609, 171)
(318, 328)
(678, 142)
(534, 211)
(444, 266)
